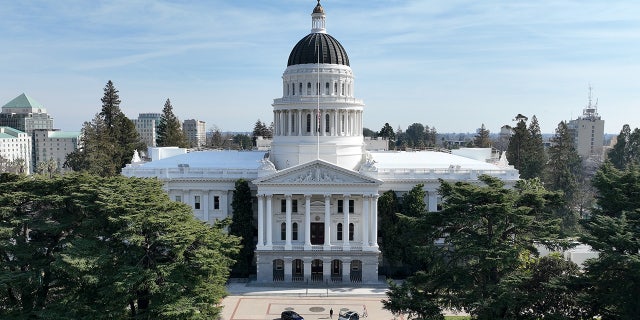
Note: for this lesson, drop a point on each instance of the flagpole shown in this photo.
(318, 119)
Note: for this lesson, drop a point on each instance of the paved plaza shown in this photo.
(261, 303)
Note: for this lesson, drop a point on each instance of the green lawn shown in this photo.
(457, 317)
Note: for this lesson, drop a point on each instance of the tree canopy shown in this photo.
(242, 226)
(86, 247)
(170, 132)
(467, 251)
(525, 150)
(482, 139)
(108, 141)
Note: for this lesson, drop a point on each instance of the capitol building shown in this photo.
(316, 190)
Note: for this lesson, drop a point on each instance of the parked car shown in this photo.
(291, 315)
(349, 315)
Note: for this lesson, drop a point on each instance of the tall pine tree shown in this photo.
(108, 141)
(536, 155)
(242, 226)
(481, 139)
(170, 132)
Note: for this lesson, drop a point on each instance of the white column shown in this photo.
(307, 270)
(287, 244)
(260, 244)
(346, 271)
(433, 201)
(374, 219)
(345, 223)
(205, 206)
(327, 222)
(307, 222)
(269, 222)
(299, 122)
(365, 221)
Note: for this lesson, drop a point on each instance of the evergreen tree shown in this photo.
(260, 129)
(481, 139)
(414, 134)
(391, 238)
(242, 226)
(485, 230)
(170, 132)
(626, 151)
(564, 173)
(86, 247)
(536, 156)
(613, 231)
(108, 141)
(387, 132)
(526, 150)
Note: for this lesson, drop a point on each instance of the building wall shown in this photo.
(195, 130)
(15, 144)
(54, 144)
(589, 136)
(147, 127)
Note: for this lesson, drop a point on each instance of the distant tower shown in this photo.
(588, 131)
(318, 115)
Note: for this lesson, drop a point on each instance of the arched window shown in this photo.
(294, 231)
(293, 86)
(335, 88)
(283, 231)
(308, 122)
(326, 122)
(326, 89)
(287, 89)
(351, 228)
(300, 87)
(339, 231)
(342, 89)
(308, 88)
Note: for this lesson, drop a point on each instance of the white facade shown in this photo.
(316, 190)
(15, 145)
(54, 144)
(588, 132)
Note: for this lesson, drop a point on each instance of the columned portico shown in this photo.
(335, 200)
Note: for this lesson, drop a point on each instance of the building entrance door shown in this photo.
(317, 233)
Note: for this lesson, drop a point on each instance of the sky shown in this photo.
(453, 65)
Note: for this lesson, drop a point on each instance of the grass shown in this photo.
(457, 317)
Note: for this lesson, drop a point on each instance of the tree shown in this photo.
(536, 157)
(614, 231)
(260, 129)
(414, 134)
(242, 226)
(48, 167)
(242, 141)
(481, 139)
(391, 245)
(484, 229)
(366, 132)
(82, 246)
(387, 132)
(170, 132)
(108, 141)
(526, 151)
(544, 288)
(564, 173)
(626, 151)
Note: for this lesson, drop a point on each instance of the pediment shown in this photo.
(317, 172)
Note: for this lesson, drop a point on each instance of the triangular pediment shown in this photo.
(317, 172)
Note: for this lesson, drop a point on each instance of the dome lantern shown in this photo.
(318, 20)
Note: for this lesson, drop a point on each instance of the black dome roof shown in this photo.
(306, 51)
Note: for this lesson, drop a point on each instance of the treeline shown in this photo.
(81, 246)
(478, 254)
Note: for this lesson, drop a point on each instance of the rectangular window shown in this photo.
(283, 205)
(294, 204)
(178, 198)
(352, 205)
(196, 202)
(216, 202)
(340, 206)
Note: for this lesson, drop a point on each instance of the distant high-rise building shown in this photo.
(16, 145)
(147, 127)
(195, 131)
(54, 145)
(588, 131)
(25, 114)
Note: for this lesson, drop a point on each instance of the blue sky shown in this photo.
(450, 64)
